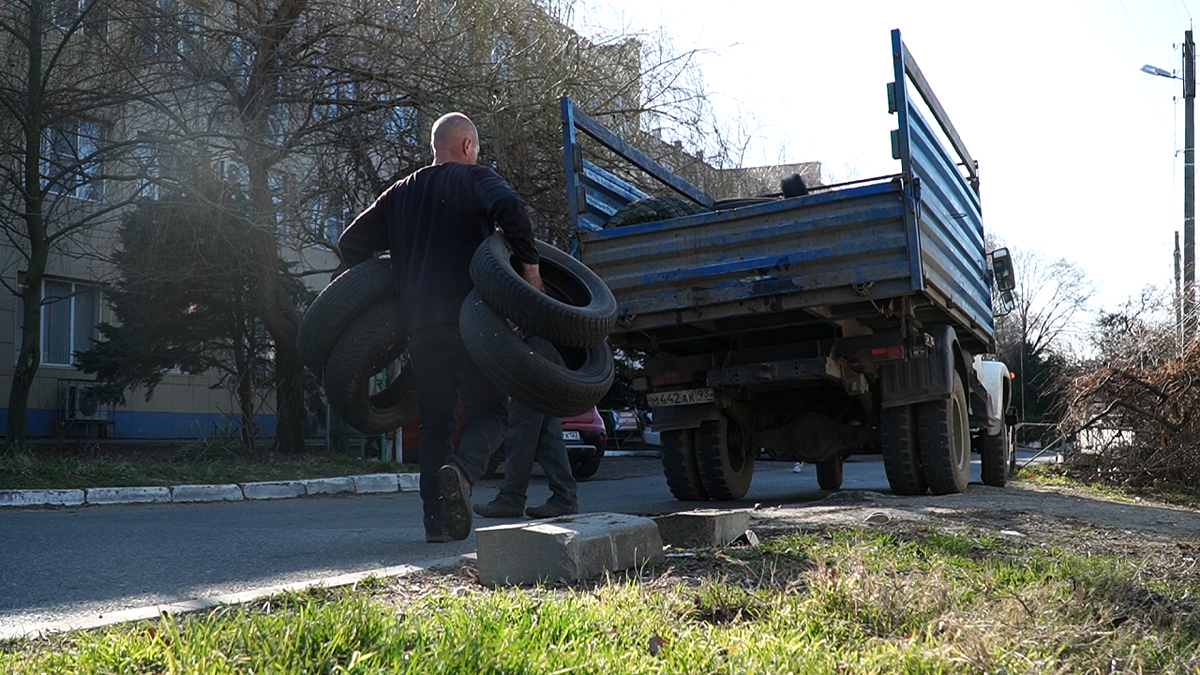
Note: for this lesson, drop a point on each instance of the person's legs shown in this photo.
(438, 403)
(520, 449)
(552, 455)
(484, 410)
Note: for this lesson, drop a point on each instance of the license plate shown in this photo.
(664, 399)
(570, 435)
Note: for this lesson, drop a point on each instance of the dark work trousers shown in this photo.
(532, 435)
(446, 376)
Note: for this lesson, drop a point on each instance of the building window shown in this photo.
(70, 316)
(69, 159)
(331, 215)
(90, 16)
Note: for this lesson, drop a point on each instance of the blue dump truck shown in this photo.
(852, 318)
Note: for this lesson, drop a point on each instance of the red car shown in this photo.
(584, 435)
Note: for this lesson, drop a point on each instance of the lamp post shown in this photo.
(1189, 181)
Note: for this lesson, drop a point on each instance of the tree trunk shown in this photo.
(30, 356)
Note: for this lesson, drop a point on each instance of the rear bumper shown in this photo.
(579, 452)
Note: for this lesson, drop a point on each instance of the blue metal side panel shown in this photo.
(948, 220)
(604, 194)
(794, 253)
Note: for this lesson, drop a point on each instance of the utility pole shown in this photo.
(1178, 295)
(1189, 187)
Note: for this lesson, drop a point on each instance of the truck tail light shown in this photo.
(875, 354)
(672, 377)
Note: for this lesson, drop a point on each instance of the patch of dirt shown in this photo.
(1047, 515)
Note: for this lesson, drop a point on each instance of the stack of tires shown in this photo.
(352, 337)
(575, 314)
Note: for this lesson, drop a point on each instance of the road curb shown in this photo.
(374, 483)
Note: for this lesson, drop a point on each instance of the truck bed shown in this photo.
(832, 263)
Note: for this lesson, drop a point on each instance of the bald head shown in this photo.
(455, 139)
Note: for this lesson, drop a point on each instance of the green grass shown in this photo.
(1060, 475)
(199, 463)
(845, 601)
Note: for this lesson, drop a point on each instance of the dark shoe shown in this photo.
(437, 537)
(552, 510)
(435, 531)
(503, 506)
(456, 501)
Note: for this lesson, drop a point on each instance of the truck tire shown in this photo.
(652, 209)
(945, 439)
(344, 299)
(995, 457)
(724, 459)
(371, 342)
(516, 369)
(678, 455)
(901, 458)
(577, 309)
(829, 473)
(585, 470)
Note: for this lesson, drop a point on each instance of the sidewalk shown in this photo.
(231, 492)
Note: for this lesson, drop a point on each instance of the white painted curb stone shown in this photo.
(41, 498)
(128, 495)
(376, 482)
(231, 492)
(328, 486)
(280, 489)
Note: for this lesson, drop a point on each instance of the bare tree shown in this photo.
(70, 81)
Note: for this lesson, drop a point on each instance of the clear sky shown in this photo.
(1076, 146)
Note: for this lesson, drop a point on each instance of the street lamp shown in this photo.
(1155, 70)
(1189, 181)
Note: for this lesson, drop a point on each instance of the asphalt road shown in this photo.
(75, 564)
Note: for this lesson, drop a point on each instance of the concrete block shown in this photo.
(128, 495)
(571, 548)
(277, 489)
(328, 486)
(41, 498)
(231, 492)
(409, 482)
(702, 528)
(376, 482)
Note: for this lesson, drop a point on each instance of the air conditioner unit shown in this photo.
(81, 402)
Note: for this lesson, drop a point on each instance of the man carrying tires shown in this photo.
(533, 435)
(431, 222)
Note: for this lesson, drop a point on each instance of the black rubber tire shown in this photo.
(678, 456)
(901, 458)
(945, 439)
(653, 209)
(585, 470)
(577, 309)
(367, 346)
(995, 457)
(343, 300)
(516, 369)
(829, 473)
(724, 459)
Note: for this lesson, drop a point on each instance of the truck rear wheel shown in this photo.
(678, 454)
(942, 427)
(995, 457)
(724, 459)
(901, 459)
(829, 473)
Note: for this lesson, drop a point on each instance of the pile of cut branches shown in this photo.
(1137, 426)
